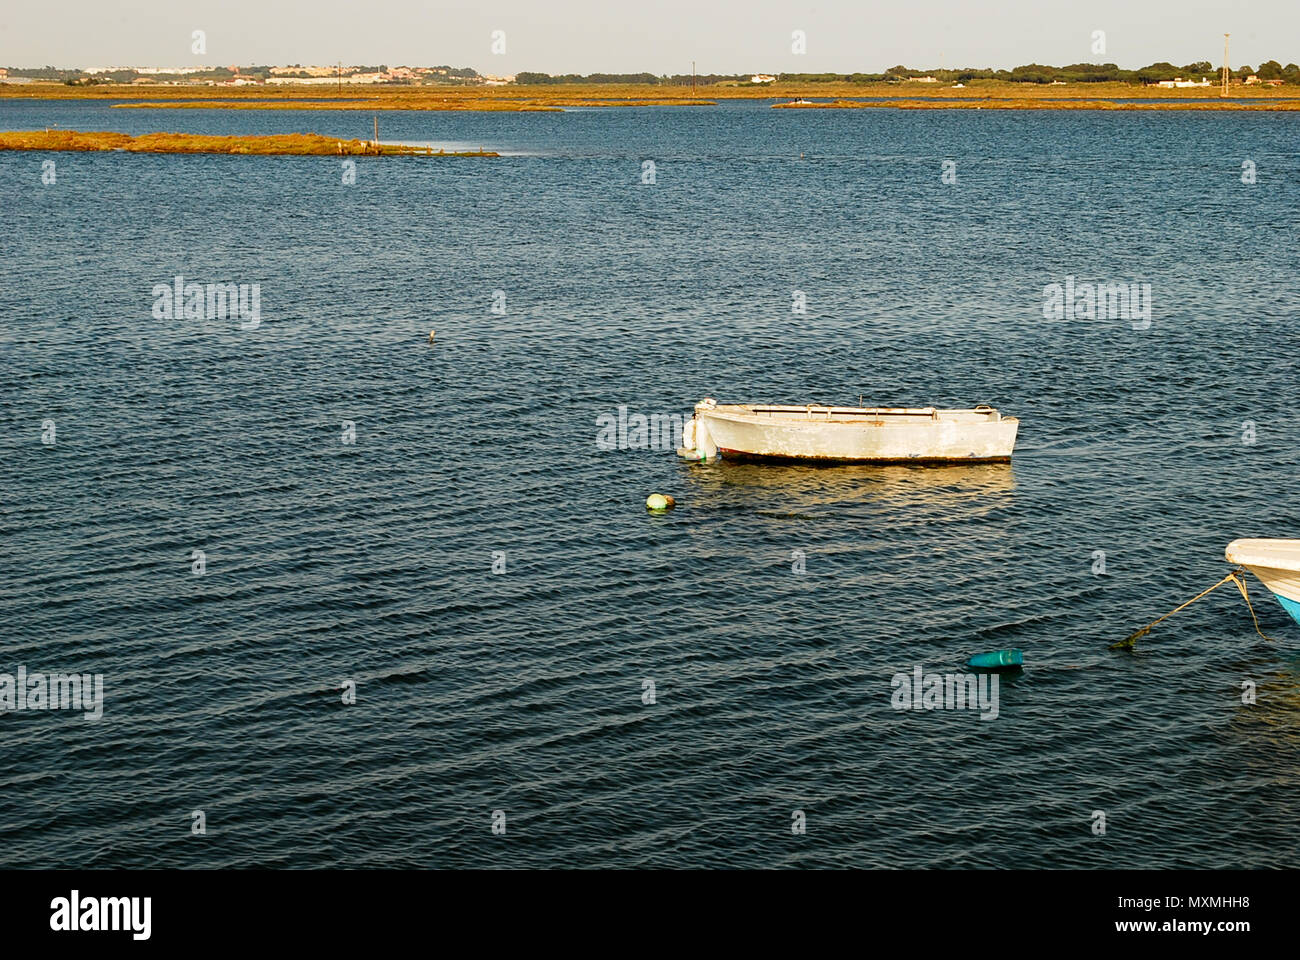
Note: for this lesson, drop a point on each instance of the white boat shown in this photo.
(1277, 565)
(848, 434)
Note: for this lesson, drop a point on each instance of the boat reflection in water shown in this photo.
(797, 487)
(890, 535)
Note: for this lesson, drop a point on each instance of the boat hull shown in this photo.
(1276, 563)
(860, 435)
(1290, 606)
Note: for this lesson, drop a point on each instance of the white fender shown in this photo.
(697, 443)
(704, 441)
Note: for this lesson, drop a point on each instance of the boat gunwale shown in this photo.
(1254, 553)
(875, 416)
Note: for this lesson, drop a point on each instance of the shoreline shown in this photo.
(555, 106)
(287, 145)
(1030, 104)
(556, 97)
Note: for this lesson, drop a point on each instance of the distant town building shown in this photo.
(762, 78)
(147, 71)
(309, 71)
(1180, 82)
(924, 79)
(347, 78)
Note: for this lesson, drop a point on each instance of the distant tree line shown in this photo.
(1029, 73)
(1072, 73)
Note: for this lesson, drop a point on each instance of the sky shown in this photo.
(655, 36)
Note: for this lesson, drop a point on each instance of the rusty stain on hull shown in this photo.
(741, 457)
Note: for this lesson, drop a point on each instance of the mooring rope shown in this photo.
(1236, 576)
(1239, 577)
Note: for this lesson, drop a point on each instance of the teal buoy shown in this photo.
(998, 659)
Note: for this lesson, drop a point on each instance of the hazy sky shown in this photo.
(658, 36)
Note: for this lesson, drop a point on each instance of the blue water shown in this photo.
(521, 692)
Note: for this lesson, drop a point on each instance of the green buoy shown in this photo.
(998, 659)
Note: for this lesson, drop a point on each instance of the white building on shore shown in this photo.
(1180, 82)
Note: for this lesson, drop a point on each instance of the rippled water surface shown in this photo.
(522, 692)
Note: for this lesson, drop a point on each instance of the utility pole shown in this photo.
(340, 78)
(1223, 92)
